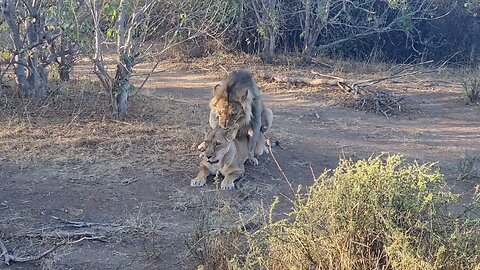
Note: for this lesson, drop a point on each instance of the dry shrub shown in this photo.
(371, 214)
(217, 233)
(472, 90)
(376, 101)
(212, 246)
(467, 167)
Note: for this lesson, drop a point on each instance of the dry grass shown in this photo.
(77, 122)
(467, 167)
(218, 233)
(472, 90)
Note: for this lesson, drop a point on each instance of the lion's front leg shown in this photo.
(201, 179)
(228, 182)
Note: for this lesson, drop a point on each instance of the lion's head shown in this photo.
(218, 142)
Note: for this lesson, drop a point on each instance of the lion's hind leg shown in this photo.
(261, 148)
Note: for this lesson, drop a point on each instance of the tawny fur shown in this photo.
(238, 113)
(226, 154)
(239, 92)
(223, 110)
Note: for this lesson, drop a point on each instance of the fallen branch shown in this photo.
(302, 80)
(67, 235)
(83, 224)
(356, 93)
(70, 224)
(12, 258)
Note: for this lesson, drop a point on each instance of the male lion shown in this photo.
(237, 99)
(225, 153)
(236, 115)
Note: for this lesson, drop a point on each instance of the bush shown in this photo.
(371, 214)
(472, 90)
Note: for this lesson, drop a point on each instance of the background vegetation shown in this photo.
(378, 213)
(38, 37)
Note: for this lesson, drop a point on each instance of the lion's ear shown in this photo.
(232, 132)
(217, 90)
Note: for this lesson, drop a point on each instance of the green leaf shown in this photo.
(111, 32)
(7, 55)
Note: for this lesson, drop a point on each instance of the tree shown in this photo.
(34, 32)
(137, 26)
(326, 23)
(267, 14)
(128, 26)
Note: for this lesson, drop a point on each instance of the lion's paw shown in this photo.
(227, 185)
(253, 161)
(197, 182)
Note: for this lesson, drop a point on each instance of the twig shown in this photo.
(327, 76)
(82, 224)
(280, 168)
(148, 76)
(313, 173)
(12, 258)
(64, 234)
(224, 69)
(378, 80)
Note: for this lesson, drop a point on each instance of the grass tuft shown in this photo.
(472, 90)
(467, 167)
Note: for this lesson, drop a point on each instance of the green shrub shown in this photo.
(371, 214)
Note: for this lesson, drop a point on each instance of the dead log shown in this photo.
(296, 80)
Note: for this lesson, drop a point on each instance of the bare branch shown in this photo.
(8, 258)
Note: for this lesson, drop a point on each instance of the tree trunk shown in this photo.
(20, 64)
(66, 62)
(306, 25)
(124, 64)
(122, 85)
(268, 49)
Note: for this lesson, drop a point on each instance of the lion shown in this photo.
(235, 116)
(237, 99)
(225, 154)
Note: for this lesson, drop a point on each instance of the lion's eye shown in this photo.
(217, 143)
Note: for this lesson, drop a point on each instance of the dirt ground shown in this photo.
(67, 158)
